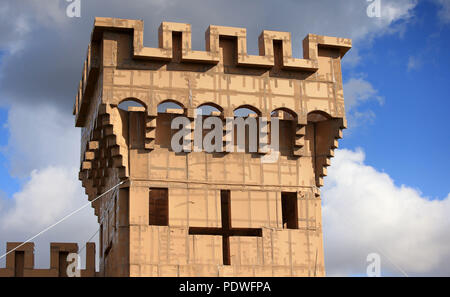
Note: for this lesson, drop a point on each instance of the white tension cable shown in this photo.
(61, 220)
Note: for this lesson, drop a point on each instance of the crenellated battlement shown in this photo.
(212, 36)
(20, 262)
(212, 56)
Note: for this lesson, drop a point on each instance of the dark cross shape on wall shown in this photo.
(227, 230)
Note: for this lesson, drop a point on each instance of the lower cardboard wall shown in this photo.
(171, 251)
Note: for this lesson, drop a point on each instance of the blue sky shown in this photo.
(409, 138)
(8, 184)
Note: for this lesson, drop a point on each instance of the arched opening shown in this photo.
(209, 119)
(246, 129)
(318, 116)
(209, 109)
(246, 111)
(170, 106)
(283, 113)
(167, 111)
(131, 104)
(133, 115)
(287, 127)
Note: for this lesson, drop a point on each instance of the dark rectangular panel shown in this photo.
(136, 129)
(159, 207)
(19, 265)
(62, 264)
(289, 208)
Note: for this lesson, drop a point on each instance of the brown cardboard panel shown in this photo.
(179, 204)
(246, 250)
(20, 262)
(205, 249)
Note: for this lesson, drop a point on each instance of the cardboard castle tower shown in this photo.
(198, 213)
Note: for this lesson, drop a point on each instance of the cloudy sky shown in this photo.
(387, 191)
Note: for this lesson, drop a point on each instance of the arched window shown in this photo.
(133, 117)
(209, 120)
(287, 125)
(246, 111)
(167, 111)
(127, 103)
(246, 129)
(209, 109)
(170, 106)
(318, 116)
(284, 114)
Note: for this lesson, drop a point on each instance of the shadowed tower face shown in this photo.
(194, 213)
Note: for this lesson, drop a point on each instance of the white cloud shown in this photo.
(364, 212)
(48, 194)
(19, 18)
(444, 11)
(44, 150)
(41, 136)
(392, 15)
(12, 30)
(392, 11)
(357, 119)
(357, 90)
